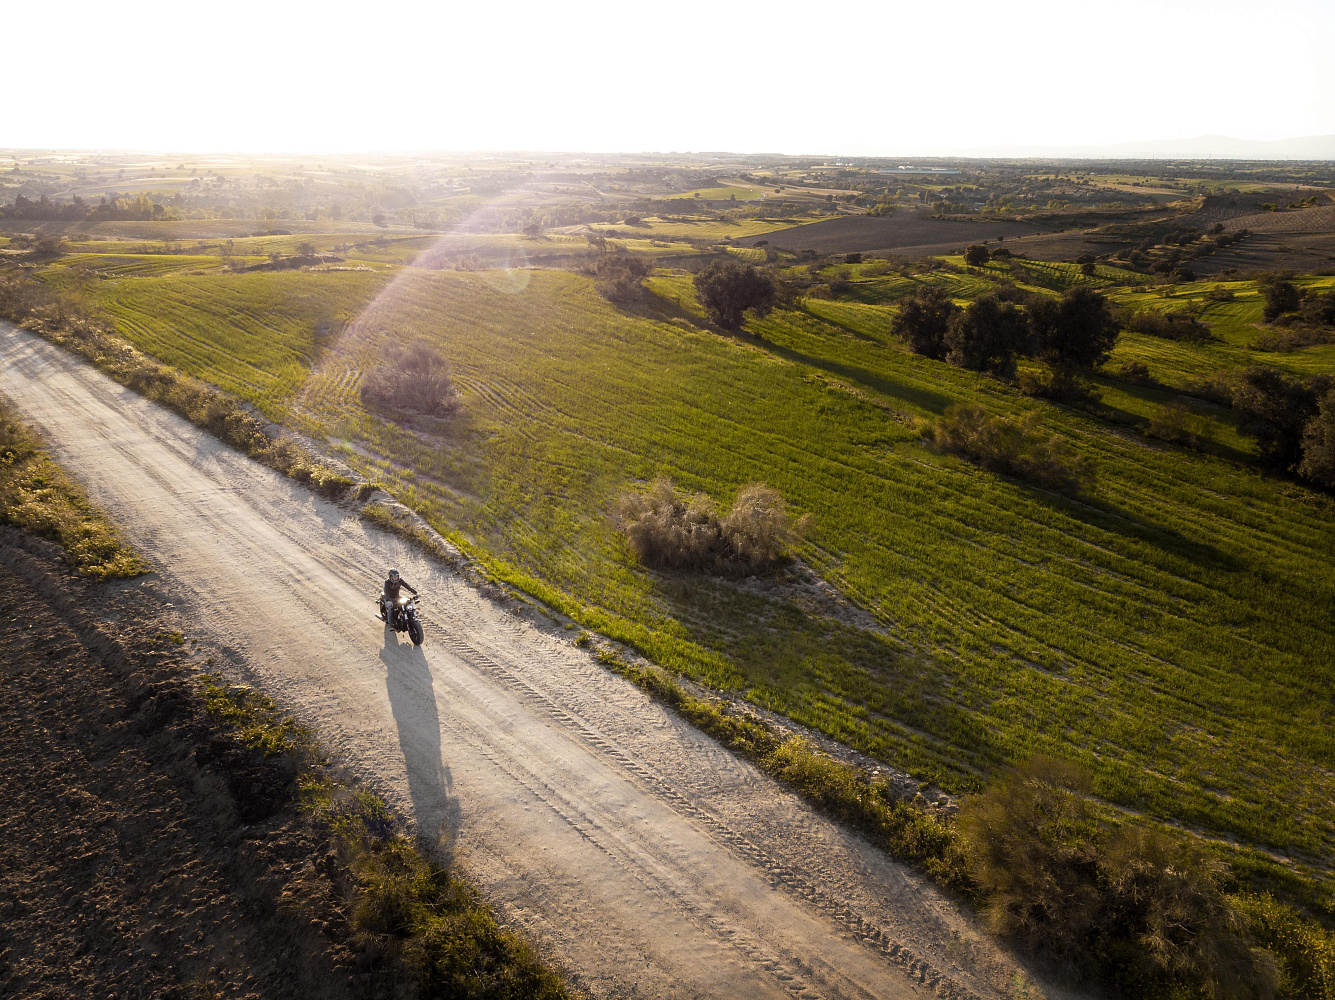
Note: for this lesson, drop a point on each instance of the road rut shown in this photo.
(649, 860)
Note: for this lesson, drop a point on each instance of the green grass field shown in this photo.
(705, 229)
(252, 334)
(1171, 629)
(1234, 324)
(726, 192)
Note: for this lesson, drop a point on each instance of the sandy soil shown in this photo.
(648, 859)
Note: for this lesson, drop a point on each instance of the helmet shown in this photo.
(393, 574)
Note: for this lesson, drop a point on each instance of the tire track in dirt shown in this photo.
(646, 857)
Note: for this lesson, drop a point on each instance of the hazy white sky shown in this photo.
(851, 77)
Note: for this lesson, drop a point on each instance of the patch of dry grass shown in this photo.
(37, 496)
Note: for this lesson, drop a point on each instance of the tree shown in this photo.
(728, 288)
(306, 249)
(987, 336)
(1320, 309)
(1075, 331)
(1318, 462)
(924, 319)
(1275, 409)
(976, 255)
(1280, 297)
(619, 277)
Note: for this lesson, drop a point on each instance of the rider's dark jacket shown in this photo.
(392, 588)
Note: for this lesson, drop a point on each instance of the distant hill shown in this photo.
(1203, 147)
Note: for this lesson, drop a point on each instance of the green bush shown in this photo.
(1303, 949)
(1170, 326)
(1175, 422)
(1129, 906)
(1019, 448)
(619, 277)
(923, 320)
(1134, 371)
(987, 336)
(1276, 409)
(1318, 462)
(728, 289)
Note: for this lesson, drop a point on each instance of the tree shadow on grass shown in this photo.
(851, 331)
(657, 307)
(926, 399)
(1161, 395)
(1102, 514)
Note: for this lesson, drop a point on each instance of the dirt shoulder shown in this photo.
(142, 853)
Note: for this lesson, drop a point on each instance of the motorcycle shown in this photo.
(403, 617)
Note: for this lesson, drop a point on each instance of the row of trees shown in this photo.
(1077, 331)
(131, 208)
(1293, 420)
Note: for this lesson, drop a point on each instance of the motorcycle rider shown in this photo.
(391, 595)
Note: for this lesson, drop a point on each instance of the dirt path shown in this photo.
(651, 861)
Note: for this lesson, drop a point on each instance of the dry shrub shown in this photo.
(1134, 371)
(1059, 385)
(664, 530)
(416, 380)
(758, 530)
(667, 531)
(1286, 339)
(1019, 448)
(1170, 326)
(1163, 914)
(1175, 422)
(1032, 837)
(1131, 906)
(619, 277)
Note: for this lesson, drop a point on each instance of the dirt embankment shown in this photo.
(142, 852)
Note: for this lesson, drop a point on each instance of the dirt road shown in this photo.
(650, 861)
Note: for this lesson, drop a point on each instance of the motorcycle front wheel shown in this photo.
(415, 632)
